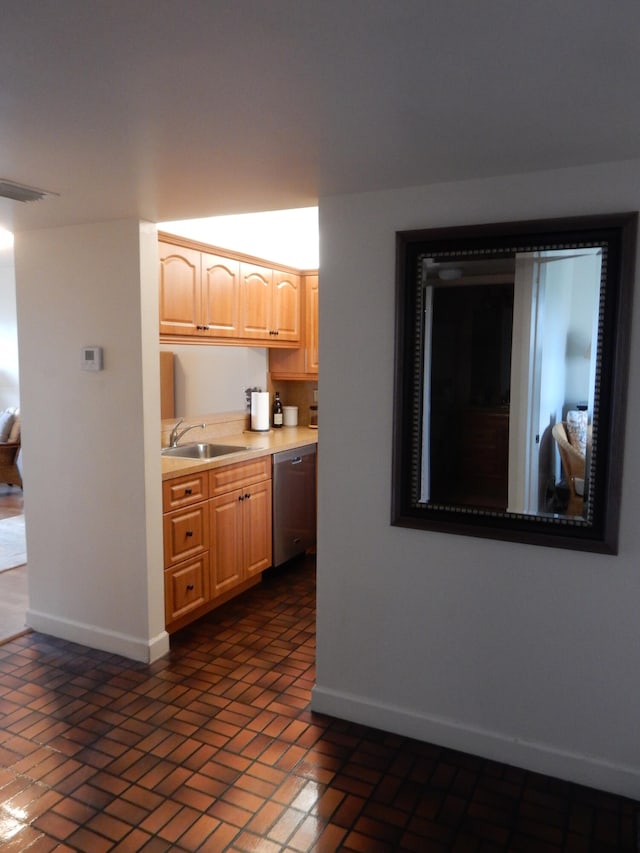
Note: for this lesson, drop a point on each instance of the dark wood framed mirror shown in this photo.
(512, 344)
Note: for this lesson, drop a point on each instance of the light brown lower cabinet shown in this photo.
(217, 537)
(186, 588)
(240, 535)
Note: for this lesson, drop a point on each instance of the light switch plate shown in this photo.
(92, 358)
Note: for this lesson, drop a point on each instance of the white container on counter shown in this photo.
(290, 414)
(260, 411)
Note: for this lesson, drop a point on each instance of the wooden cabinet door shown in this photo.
(256, 508)
(185, 490)
(179, 290)
(215, 545)
(311, 325)
(186, 587)
(225, 515)
(301, 363)
(220, 296)
(286, 306)
(257, 285)
(227, 478)
(186, 533)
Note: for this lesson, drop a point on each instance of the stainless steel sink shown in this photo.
(201, 451)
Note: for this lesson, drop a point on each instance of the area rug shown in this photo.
(13, 548)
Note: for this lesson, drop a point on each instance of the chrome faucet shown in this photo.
(176, 434)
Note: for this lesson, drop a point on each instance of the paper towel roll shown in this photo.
(260, 411)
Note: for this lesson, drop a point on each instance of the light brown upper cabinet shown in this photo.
(311, 324)
(199, 293)
(179, 290)
(271, 303)
(301, 363)
(257, 308)
(286, 305)
(210, 295)
(220, 296)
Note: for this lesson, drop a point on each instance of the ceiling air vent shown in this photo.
(20, 192)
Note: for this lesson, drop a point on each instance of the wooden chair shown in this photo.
(9, 451)
(573, 466)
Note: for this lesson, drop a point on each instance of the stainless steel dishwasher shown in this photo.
(294, 502)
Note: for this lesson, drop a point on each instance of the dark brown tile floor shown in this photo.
(214, 748)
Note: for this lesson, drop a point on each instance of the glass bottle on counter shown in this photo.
(277, 411)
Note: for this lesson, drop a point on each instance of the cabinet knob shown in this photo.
(188, 491)
(240, 497)
(247, 496)
(189, 532)
(189, 586)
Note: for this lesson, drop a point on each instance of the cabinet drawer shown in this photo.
(185, 490)
(231, 477)
(186, 587)
(186, 533)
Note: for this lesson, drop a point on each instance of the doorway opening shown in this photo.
(470, 390)
(13, 569)
(13, 563)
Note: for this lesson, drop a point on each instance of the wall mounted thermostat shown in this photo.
(92, 358)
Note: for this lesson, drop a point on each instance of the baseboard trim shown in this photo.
(590, 770)
(135, 648)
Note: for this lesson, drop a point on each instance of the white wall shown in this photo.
(522, 653)
(90, 440)
(584, 308)
(9, 374)
(212, 379)
(555, 311)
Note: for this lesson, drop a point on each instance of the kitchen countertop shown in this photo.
(251, 445)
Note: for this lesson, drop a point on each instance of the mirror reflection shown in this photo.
(512, 355)
(509, 365)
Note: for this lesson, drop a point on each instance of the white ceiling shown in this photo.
(285, 236)
(167, 110)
